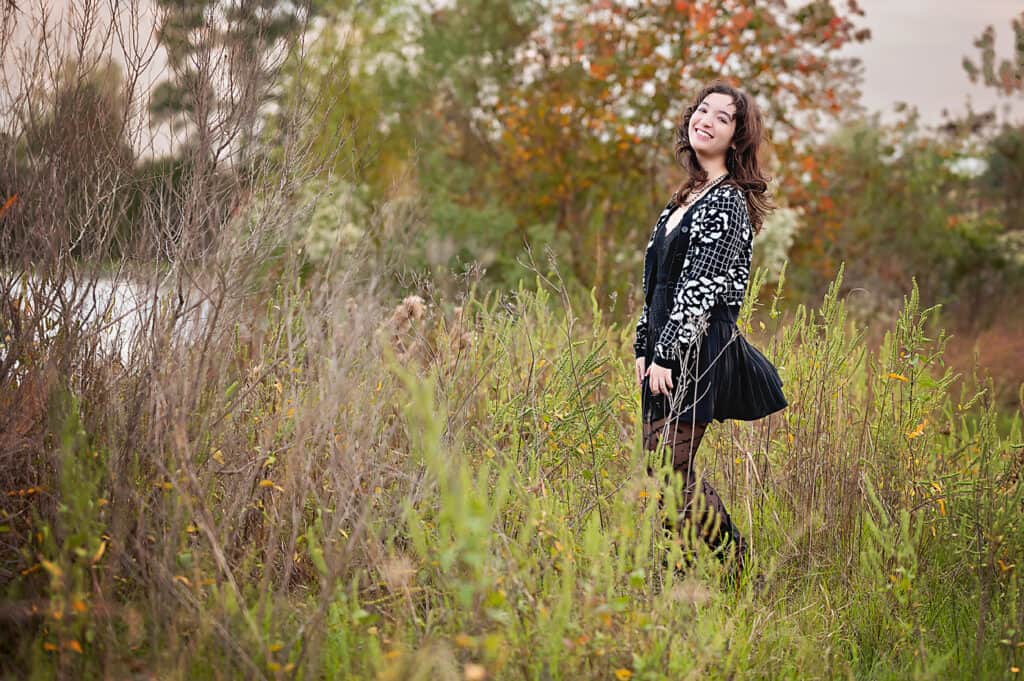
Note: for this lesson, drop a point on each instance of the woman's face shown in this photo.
(712, 125)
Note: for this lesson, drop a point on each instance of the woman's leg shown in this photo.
(704, 511)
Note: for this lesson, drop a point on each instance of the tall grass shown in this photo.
(286, 470)
(448, 491)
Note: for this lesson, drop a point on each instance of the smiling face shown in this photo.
(712, 125)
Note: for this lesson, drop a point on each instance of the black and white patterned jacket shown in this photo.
(716, 267)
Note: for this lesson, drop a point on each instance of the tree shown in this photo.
(551, 123)
(69, 148)
(224, 56)
(1003, 180)
(570, 116)
(906, 207)
(1006, 75)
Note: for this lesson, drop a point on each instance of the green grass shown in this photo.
(466, 494)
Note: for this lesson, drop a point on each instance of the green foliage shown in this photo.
(1003, 180)
(885, 518)
(892, 206)
(570, 584)
(521, 120)
(483, 505)
(326, 485)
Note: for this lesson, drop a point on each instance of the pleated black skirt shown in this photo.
(726, 378)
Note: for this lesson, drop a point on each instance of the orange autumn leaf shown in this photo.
(742, 19)
(917, 431)
(8, 203)
(599, 71)
(703, 21)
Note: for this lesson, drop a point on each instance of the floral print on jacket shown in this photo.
(716, 267)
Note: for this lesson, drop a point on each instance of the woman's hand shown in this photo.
(641, 366)
(661, 379)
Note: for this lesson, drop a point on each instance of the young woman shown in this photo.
(692, 364)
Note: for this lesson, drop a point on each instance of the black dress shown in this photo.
(726, 377)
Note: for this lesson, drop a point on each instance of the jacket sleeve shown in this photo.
(640, 340)
(640, 343)
(717, 238)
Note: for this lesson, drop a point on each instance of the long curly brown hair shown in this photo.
(742, 160)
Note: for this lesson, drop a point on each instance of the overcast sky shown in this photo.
(916, 49)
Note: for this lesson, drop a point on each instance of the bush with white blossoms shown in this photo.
(774, 240)
(338, 211)
(967, 166)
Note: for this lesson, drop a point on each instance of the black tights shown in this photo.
(705, 511)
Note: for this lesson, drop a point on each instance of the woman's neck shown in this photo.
(713, 166)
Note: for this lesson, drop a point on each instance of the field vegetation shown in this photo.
(256, 422)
